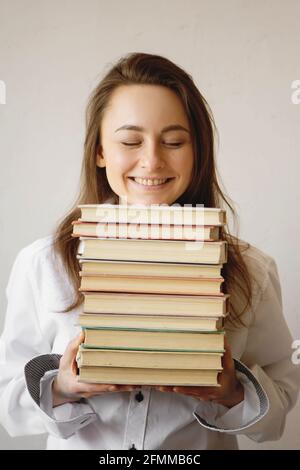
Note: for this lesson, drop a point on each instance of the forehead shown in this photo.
(144, 105)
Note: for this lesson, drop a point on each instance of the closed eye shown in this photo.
(130, 144)
(172, 144)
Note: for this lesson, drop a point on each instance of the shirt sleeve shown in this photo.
(21, 341)
(270, 378)
(255, 405)
(79, 412)
(63, 420)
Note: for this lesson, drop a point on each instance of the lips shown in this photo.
(148, 178)
(150, 187)
(151, 179)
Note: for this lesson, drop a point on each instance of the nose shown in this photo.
(152, 158)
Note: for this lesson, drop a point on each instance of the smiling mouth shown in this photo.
(150, 182)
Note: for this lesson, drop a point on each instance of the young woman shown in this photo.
(147, 123)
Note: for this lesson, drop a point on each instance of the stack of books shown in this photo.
(154, 308)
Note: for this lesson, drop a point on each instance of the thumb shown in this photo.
(72, 348)
(227, 358)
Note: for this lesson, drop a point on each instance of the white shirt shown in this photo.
(35, 336)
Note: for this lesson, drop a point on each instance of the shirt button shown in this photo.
(139, 397)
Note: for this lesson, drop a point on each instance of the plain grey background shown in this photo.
(244, 57)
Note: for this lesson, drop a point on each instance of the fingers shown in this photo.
(202, 393)
(164, 388)
(227, 361)
(89, 389)
(126, 388)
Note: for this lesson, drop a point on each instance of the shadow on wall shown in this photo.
(20, 443)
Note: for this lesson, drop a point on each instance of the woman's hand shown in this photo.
(230, 392)
(66, 388)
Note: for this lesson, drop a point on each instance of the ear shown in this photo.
(100, 159)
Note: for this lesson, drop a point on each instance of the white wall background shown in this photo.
(243, 55)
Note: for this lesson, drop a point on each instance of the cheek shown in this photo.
(189, 164)
(119, 163)
(185, 167)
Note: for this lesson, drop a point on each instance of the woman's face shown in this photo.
(136, 143)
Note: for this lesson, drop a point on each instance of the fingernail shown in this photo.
(112, 388)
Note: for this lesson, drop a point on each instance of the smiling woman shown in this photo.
(149, 163)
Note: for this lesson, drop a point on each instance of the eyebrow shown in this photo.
(173, 127)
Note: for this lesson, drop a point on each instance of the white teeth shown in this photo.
(147, 182)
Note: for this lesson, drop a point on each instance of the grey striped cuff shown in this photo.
(35, 369)
(264, 404)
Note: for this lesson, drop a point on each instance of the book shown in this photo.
(154, 308)
(155, 304)
(149, 268)
(172, 322)
(163, 340)
(151, 284)
(148, 359)
(153, 250)
(154, 214)
(145, 231)
(134, 375)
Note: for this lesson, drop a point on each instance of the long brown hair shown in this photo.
(142, 68)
